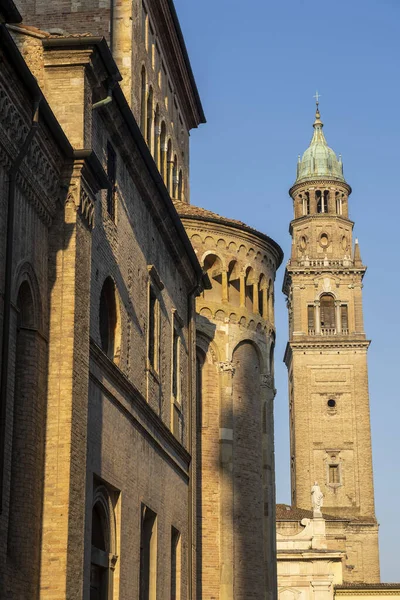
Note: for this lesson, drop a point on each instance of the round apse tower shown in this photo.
(235, 378)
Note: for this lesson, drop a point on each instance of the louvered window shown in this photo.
(344, 318)
(310, 315)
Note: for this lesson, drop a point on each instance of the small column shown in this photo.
(225, 286)
(317, 318)
(338, 317)
(242, 291)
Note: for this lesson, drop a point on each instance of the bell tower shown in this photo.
(326, 355)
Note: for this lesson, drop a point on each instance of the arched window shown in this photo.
(149, 118)
(169, 167)
(108, 318)
(339, 203)
(327, 314)
(175, 177)
(180, 185)
(213, 268)
(103, 558)
(271, 359)
(318, 200)
(234, 283)
(262, 296)
(270, 301)
(306, 203)
(325, 202)
(249, 289)
(143, 102)
(163, 151)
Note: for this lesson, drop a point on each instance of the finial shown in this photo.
(317, 113)
(317, 97)
(357, 254)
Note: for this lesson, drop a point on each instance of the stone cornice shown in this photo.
(327, 342)
(319, 183)
(164, 14)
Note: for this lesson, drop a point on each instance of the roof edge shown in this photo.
(241, 227)
(185, 54)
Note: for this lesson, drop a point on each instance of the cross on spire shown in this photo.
(317, 97)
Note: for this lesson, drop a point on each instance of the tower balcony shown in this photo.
(328, 331)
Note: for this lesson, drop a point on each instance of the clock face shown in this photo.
(344, 243)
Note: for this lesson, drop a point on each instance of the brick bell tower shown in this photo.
(326, 357)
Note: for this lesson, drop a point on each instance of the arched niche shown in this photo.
(214, 269)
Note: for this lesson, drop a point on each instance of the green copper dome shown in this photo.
(319, 161)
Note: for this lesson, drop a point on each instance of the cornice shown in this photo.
(319, 182)
(329, 342)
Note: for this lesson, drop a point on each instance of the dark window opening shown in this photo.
(310, 317)
(108, 317)
(318, 198)
(175, 364)
(153, 329)
(344, 318)
(325, 201)
(331, 403)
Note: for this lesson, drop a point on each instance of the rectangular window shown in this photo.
(164, 84)
(310, 316)
(154, 317)
(170, 101)
(176, 384)
(157, 65)
(151, 44)
(334, 474)
(175, 564)
(112, 177)
(344, 318)
(148, 555)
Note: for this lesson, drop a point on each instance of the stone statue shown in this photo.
(317, 497)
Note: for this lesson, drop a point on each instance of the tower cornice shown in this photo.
(318, 216)
(319, 182)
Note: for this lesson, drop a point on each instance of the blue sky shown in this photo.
(257, 66)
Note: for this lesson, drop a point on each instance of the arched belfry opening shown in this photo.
(327, 314)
